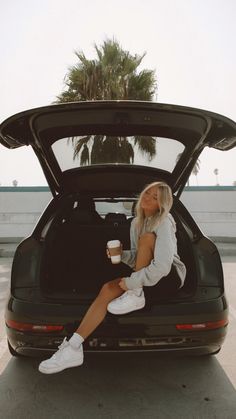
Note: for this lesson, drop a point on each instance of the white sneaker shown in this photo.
(127, 302)
(65, 357)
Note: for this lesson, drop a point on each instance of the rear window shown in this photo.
(158, 152)
(117, 207)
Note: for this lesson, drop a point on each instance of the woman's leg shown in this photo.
(145, 252)
(98, 309)
(111, 290)
(70, 354)
(135, 299)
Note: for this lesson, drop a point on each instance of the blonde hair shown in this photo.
(165, 202)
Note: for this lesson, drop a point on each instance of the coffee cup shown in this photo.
(114, 248)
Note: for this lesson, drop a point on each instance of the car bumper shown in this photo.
(198, 344)
(137, 331)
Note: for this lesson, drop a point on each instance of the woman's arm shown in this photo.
(161, 264)
(129, 256)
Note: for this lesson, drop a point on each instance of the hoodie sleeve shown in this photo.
(129, 256)
(161, 264)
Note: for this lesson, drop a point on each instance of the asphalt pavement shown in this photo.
(122, 385)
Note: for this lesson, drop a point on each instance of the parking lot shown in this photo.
(114, 386)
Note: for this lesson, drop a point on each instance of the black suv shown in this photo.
(58, 270)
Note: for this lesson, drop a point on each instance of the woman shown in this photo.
(152, 256)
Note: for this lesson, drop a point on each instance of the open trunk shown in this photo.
(75, 265)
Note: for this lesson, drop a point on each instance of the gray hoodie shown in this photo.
(165, 253)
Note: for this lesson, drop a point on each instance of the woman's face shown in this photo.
(150, 201)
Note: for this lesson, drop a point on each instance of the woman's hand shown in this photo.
(108, 253)
(123, 285)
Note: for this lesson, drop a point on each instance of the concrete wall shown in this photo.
(20, 209)
(214, 209)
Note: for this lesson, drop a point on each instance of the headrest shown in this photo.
(114, 218)
(85, 203)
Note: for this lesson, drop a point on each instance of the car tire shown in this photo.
(212, 353)
(12, 350)
(216, 352)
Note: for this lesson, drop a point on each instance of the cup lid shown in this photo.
(113, 243)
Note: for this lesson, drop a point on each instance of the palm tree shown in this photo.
(196, 167)
(216, 172)
(112, 75)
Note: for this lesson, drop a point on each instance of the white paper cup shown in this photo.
(114, 247)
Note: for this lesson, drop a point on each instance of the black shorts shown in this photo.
(168, 285)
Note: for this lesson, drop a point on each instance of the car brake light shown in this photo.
(202, 326)
(28, 327)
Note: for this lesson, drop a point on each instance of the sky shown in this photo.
(189, 43)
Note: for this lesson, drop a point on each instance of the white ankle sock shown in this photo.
(76, 340)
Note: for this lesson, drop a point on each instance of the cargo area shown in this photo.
(75, 264)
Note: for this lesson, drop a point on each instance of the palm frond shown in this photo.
(84, 157)
(113, 74)
(97, 149)
(196, 168)
(146, 145)
(79, 144)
